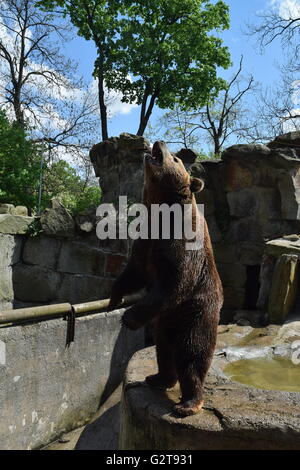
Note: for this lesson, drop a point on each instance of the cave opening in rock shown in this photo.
(252, 287)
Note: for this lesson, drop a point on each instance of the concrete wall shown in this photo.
(47, 388)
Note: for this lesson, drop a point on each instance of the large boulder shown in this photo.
(6, 208)
(284, 288)
(14, 224)
(188, 156)
(118, 162)
(20, 210)
(289, 140)
(86, 220)
(57, 220)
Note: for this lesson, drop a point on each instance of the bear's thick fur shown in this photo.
(184, 293)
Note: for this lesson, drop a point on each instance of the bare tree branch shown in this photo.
(218, 120)
(38, 85)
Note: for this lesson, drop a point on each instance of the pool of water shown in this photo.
(266, 373)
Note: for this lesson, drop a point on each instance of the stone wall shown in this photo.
(60, 259)
(252, 195)
(43, 270)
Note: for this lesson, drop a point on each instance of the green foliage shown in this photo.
(19, 165)
(61, 180)
(166, 46)
(169, 49)
(35, 228)
(207, 156)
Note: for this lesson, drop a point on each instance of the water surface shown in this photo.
(266, 373)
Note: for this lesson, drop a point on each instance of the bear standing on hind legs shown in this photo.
(183, 289)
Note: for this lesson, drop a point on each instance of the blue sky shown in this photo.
(262, 66)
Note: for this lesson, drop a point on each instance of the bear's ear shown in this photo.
(197, 185)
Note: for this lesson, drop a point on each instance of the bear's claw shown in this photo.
(188, 408)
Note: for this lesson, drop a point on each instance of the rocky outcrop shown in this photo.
(279, 278)
(14, 224)
(11, 209)
(57, 220)
(290, 140)
(118, 162)
(252, 195)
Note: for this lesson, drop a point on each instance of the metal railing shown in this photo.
(46, 312)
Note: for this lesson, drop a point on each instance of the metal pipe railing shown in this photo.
(46, 312)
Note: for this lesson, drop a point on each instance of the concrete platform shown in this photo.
(234, 417)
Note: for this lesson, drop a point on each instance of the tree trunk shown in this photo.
(18, 109)
(217, 146)
(142, 127)
(145, 116)
(103, 110)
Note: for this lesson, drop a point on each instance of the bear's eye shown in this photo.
(175, 159)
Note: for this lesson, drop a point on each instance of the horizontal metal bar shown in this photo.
(59, 310)
(90, 306)
(97, 305)
(32, 313)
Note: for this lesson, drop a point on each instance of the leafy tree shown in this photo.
(169, 49)
(61, 180)
(166, 46)
(19, 165)
(20, 170)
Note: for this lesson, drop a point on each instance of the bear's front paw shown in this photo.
(129, 321)
(114, 302)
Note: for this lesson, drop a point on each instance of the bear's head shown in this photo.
(166, 179)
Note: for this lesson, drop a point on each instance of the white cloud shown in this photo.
(113, 100)
(38, 86)
(295, 96)
(292, 123)
(287, 9)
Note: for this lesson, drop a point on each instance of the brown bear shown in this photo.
(183, 289)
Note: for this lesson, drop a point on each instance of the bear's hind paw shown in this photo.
(188, 408)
